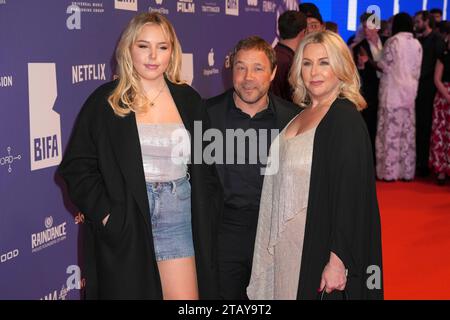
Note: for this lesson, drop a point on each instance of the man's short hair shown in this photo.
(316, 15)
(436, 10)
(256, 43)
(426, 15)
(332, 26)
(308, 7)
(291, 23)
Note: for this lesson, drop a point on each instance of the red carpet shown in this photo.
(415, 220)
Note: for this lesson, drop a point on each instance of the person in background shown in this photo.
(314, 22)
(356, 38)
(439, 160)
(437, 14)
(292, 28)
(319, 224)
(308, 7)
(332, 26)
(433, 47)
(150, 213)
(246, 109)
(366, 54)
(314, 18)
(441, 28)
(385, 28)
(395, 140)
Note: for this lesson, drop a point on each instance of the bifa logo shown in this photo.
(187, 68)
(232, 7)
(252, 3)
(45, 123)
(131, 5)
(9, 255)
(86, 72)
(73, 21)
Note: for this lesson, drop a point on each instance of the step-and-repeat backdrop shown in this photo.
(53, 54)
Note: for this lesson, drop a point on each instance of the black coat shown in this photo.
(342, 214)
(103, 170)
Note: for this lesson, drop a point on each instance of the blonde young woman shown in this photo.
(148, 235)
(319, 224)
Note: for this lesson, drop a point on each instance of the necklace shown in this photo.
(152, 102)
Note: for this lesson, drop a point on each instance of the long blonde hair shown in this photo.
(126, 95)
(341, 62)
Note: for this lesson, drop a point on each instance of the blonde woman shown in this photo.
(127, 168)
(319, 224)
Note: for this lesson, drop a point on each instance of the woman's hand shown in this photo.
(334, 275)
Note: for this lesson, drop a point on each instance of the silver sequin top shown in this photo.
(165, 151)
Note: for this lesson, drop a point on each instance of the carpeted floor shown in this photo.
(415, 218)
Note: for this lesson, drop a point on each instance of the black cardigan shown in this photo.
(342, 214)
(103, 170)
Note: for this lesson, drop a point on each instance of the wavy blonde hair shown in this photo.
(341, 62)
(127, 94)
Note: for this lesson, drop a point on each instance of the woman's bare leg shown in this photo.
(178, 279)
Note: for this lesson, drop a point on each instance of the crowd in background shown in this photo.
(404, 70)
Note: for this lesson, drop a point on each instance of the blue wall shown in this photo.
(337, 11)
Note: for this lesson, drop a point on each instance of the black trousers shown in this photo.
(370, 117)
(424, 111)
(236, 243)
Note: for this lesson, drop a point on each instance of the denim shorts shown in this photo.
(170, 212)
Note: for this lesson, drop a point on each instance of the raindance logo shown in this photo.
(9, 159)
(48, 237)
(186, 6)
